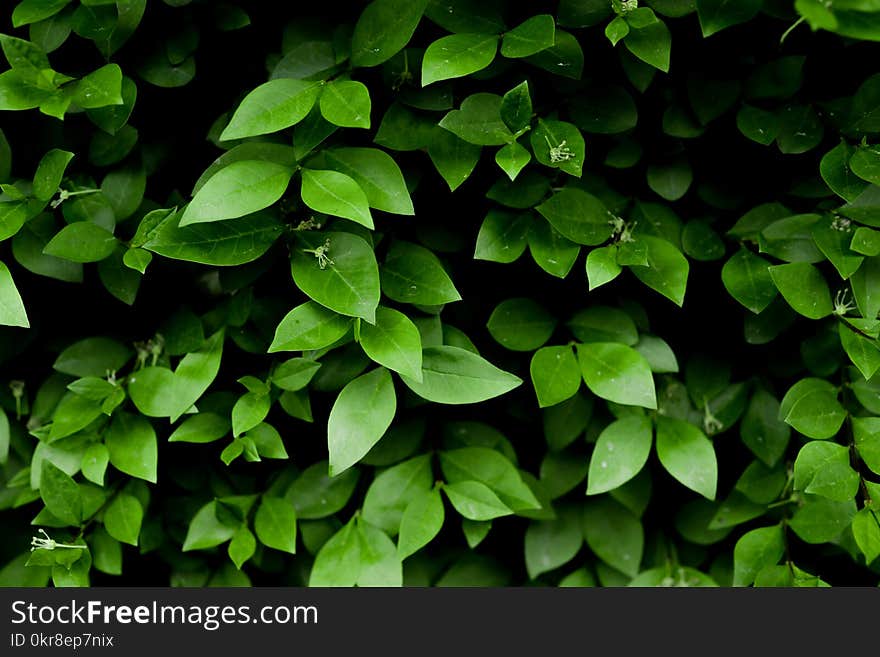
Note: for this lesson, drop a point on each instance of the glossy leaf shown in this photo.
(360, 416)
(687, 455)
(451, 375)
(346, 280)
(393, 341)
(621, 452)
(457, 55)
(273, 106)
(617, 373)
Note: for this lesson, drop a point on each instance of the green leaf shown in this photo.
(249, 150)
(801, 129)
(33, 11)
(273, 106)
(511, 159)
(72, 414)
(616, 30)
(651, 43)
(747, 278)
(275, 524)
(755, 551)
(550, 544)
(99, 88)
(159, 392)
(819, 520)
(529, 37)
(249, 410)
(716, 15)
(602, 266)
(835, 170)
(834, 244)
(565, 57)
(451, 375)
(823, 469)
(19, 90)
(865, 110)
(866, 241)
(131, 442)
(559, 145)
(377, 174)
(866, 431)
(621, 452)
(242, 546)
(404, 130)
(658, 353)
(60, 494)
(92, 357)
(393, 341)
(865, 285)
(336, 194)
(12, 312)
(49, 173)
(521, 324)
(413, 274)
(811, 407)
(347, 283)
(360, 416)
(421, 522)
(267, 441)
(123, 518)
(201, 428)
(758, 125)
(383, 29)
(475, 501)
(457, 55)
(94, 463)
(617, 373)
(604, 324)
(393, 488)
(492, 469)
(804, 288)
(667, 270)
(516, 107)
(865, 163)
(346, 103)
(82, 241)
(137, 259)
(671, 180)
(863, 352)
(578, 215)
(687, 455)
(556, 375)
(762, 430)
(309, 326)
(317, 495)
(222, 243)
(503, 236)
(380, 565)
(205, 530)
(475, 531)
(478, 121)
(243, 187)
(614, 534)
(866, 532)
(453, 158)
(338, 563)
(294, 374)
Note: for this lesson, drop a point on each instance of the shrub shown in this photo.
(440, 293)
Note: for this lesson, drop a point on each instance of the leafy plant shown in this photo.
(440, 293)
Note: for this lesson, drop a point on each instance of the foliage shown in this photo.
(269, 316)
